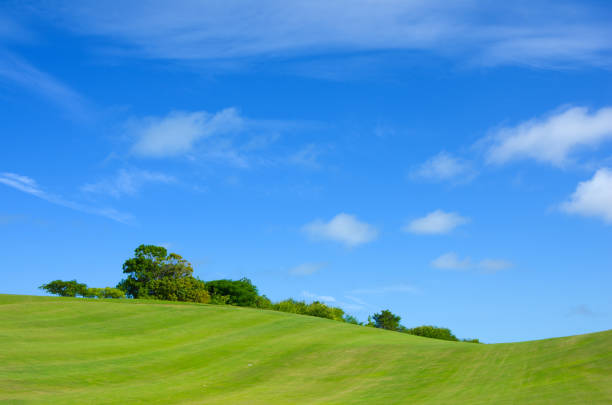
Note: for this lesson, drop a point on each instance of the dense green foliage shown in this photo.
(351, 319)
(386, 320)
(431, 332)
(153, 273)
(237, 292)
(106, 292)
(83, 351)
(73, 288)
(315, 308)
(62, 288)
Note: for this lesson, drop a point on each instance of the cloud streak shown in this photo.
(306, 269)
(315, 297)
(29, 186)
(486, 33)
(20, 72)
(127, 182)
(451, 261)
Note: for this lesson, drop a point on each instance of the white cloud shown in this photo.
(315, 297)
(225, 136)
(445, 166)
(552, 139)
(342, 228)
(436, 222)
(306, 269)
(177, 133)
(593, 197)
(127, 182)
(29, 186)
(450, 261)
(399, 288)
(489, 33)
(20, 72)
(21, 183)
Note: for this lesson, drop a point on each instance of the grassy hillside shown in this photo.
(63, 350)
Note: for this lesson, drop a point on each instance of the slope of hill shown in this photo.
(77, 351)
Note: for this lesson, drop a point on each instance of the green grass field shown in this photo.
(79, 351)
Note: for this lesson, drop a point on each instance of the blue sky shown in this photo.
(450, 161)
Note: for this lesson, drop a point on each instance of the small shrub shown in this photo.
(431, 332)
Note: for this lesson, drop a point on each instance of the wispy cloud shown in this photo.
(343, 228)
(552, 139)
(315, 297)
(177, 133)
(436, 222)
(225, 136)
(127, 182)
(16, 70)
(592, 198)
(29, 186)
(451, 261)
(445, 167)
(489, 33)
(306, 269)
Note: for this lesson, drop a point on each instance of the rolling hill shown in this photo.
(78, 351)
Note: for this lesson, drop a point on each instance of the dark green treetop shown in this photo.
(386, 320)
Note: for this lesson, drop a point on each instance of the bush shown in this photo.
(431, 332)
(315, 308)
(290, 305)
(65, 288)
(263, 302)
(107, 292)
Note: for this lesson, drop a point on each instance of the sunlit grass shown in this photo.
(77, 351)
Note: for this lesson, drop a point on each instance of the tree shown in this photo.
(351, 319)
(153, 273)
(62, 288)
(179, 289)
(238, 292)
(386, 320)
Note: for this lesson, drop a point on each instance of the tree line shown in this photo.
(153, 273)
